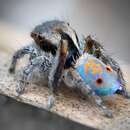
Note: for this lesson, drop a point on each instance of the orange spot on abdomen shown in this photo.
(95, 68)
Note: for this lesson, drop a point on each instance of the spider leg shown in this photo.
(87, 91)
(30, 49)
(92, 47)
(55, 75)
(88, 47)
(51, 101)
(101, 105)
(41, 62)
(24, 75)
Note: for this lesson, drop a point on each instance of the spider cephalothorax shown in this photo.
(58, 38)
(55, 53)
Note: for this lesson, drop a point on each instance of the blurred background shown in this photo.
(107, 20)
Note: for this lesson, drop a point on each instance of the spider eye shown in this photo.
(33, 35)
(99, 81)
(39, 38)
(108, 69)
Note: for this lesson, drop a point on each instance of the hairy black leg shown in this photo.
(30, 49)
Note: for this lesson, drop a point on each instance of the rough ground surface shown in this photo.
(69, 103)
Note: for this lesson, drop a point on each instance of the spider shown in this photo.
(59, 55)
(59, 39)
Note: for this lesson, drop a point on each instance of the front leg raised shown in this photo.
(30, 49)
(57, 70)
